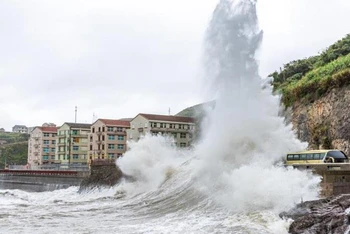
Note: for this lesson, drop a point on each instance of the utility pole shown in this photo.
(76, 112)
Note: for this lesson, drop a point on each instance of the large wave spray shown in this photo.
(245, 136)
(235, 163)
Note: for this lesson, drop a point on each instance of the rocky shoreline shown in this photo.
(324, 216)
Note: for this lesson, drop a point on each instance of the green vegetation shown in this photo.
(307, 79)
(14, 154)
(15, 150)
(13, 137)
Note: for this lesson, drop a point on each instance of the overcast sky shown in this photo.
(119, 58)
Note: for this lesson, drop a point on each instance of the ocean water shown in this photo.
(231, 181)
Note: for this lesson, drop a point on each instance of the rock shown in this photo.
(103, 174)
(324, 216)
(326, 121)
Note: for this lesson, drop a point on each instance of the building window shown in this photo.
(119, 155)
(182, 145)
(170, 125)
(120, 146)
(119, 129)
(161, 125)
(93, 130)
(183, 135)
(46, 142)
(111, 137)
(53, 150)
(75, 132)
(103, 129)
(75, 147)
(46, 150)
(76, 139)
(54, 134)
(53, 142)
(75, 156)
(120, 138)
(90, 147)
(190, 135)
(110, 129)
(53, 157)
(110, 146)
(103, 137)
(174, 134)
(45, 157)
(91, 138)
(46, 134)
(110, 155)
(103, 147)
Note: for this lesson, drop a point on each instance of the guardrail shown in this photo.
(40, 173)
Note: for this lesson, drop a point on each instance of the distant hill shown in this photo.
(196, 111)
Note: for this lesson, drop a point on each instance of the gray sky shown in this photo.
(118, 58)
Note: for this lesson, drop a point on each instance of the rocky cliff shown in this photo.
(325, 216)
(325, 123)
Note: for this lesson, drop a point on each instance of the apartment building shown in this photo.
(181, 128)
(72, 143)
(42, 146)
(20, 129)
(107, 139)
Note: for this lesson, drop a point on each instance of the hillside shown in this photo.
(15, 150)
(316, 91)
(308, 79)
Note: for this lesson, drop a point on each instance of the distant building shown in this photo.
(107, 139)
(20, 129)
(181, 128)
(30, 129)
(2, 130)
(42, 146)
(72, 143)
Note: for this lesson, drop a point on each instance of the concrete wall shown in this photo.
(38, 183)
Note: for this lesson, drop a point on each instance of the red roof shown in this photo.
(169, 118)
(48, 129)
(115, 122)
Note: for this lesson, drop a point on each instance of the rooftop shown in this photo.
(115, 122)
(78, 125)
(48, 129)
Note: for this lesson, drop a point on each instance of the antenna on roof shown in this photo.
(169, 110)
(76, 112)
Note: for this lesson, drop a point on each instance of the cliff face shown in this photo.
(325, 123)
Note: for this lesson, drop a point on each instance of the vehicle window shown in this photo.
(289, 157)
(296, 157)
(338, 156)
(310, 156)
(316, 156)
(303, 157)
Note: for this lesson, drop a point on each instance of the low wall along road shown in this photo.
(41, 180)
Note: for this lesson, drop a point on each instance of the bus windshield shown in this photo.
(339, 156)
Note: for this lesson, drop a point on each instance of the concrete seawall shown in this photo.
(39, 181)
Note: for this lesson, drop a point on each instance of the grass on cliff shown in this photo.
(317, 82)
(308, 79)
